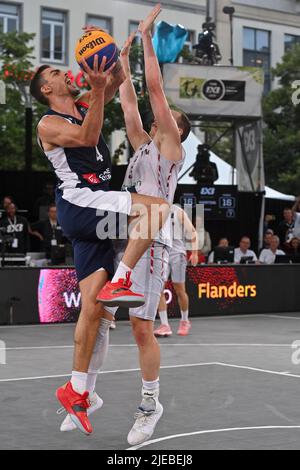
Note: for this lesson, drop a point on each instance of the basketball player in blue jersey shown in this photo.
(70, 135)
(153, 171)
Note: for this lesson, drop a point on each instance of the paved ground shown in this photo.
(230, 385)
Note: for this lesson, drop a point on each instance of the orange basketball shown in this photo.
(96, 42)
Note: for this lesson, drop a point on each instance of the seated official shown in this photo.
(16, 230)
(268, 255)
(50, 231)
(223, 243)
(244, 251)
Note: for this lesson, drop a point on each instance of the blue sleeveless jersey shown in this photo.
(80, 167)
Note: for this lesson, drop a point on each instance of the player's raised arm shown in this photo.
(134, 126)
(57, 131)
(164, 119)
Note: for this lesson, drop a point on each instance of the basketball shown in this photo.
(96, 42)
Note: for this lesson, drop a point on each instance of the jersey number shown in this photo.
(98, 155)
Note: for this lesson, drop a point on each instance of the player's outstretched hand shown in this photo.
(127, 46)
(97, 77)
(146, 26)
(193, 260)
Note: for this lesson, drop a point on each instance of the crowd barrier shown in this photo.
(32, 295)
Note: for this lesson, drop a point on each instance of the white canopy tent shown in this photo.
(227, 173)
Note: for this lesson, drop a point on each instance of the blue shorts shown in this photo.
(77, 215)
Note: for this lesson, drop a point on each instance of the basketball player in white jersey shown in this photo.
(184, 237)
(152, 171)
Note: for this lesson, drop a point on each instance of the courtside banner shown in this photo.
(32, 295)
(215, 91)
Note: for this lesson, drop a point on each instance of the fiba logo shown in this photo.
(213, 90)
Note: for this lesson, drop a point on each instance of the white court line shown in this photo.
(176, 366)
(262, 345)
(210, 431)
(280, 316)
(214, 317)
(255, 369)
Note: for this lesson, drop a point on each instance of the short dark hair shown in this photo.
(51, 206)
(36, 84)
(185, 125)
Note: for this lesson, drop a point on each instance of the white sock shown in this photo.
(164, 317)
(151, 386)
(121, 272)
(185, 315)
(78, 381)
(99, 354)
(91, 382)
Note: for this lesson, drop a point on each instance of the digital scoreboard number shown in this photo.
(220, 202)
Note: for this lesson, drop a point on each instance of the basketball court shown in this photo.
(231, 384)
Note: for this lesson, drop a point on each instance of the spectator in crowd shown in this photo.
(268, 255)
(293, 247)
(50, 231)
(296, 214)
(286, 227)
(223, 243)
(43, 202)
(269, 222)
(267, 239)
(244, 251)
(5, 203)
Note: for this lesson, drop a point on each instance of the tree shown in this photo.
(16, 71)
(282, 130)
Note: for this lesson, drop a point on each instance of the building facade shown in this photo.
(262, 30)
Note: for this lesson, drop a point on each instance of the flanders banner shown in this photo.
(215, 91)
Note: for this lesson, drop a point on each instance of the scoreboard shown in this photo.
(220, 202)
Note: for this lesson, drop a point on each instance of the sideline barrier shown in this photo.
(33, 295)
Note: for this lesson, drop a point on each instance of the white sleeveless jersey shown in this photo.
(150, 174)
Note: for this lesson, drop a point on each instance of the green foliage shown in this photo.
(15, 71)
(282, 131)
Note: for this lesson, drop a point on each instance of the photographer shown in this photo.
(204, 172)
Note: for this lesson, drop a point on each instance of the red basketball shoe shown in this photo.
(118, 294)
(76, 405)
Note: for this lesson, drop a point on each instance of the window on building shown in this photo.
(54, 30)
(290, 41)
(9, 18)
(189, 43)
(133, 26)
(257, 52)
(101, 22)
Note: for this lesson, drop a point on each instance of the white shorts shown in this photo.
(148, 278)
(177, 268)
(111, 201)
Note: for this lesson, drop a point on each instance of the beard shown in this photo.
(75, 92)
